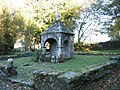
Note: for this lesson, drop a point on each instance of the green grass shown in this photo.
(106, 51)
(78, 64)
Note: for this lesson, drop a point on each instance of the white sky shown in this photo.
(17, 3)
(99, 38)
(94, 38)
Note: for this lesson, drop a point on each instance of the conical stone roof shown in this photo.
(57, 27)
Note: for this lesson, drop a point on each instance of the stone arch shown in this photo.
(51, 47)
(66, 48)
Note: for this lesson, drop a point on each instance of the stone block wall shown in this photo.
(49, 80)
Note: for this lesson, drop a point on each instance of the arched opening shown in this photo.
(51, 46)
(66, 49)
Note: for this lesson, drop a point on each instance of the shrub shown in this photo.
(80, 47)
(36, 55)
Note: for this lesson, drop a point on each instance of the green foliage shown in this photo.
(109, 45)
(11, 28)
(80, 47)
(106, 51)
(14, 26)
(7, 37)
(114, 30)
(31, 36)
(97, 46)
(45, 12)
(41, 15)
(36, 55)
(111, 9)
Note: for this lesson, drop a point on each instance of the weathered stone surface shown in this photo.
(7, 85)
(2, 67)
(115, 58)
(61, 41)
(10, 62)
(49, 80)
(68, 77)
(3, 76)
(10, 70)
(94, 53)
(46, 80)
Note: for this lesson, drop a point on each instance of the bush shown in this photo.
(109, 45)
(80, 47)
(36, 55)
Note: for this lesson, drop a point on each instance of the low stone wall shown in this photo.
(27, 54)
(49, 80)
(92, 53)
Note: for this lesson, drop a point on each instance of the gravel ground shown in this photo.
(111, 82)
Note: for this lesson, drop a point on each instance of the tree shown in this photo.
(44, 11)
(87, 24)
(114, 12)
(10, 26)
(41, 14)
(111, 8)
(30, 37)
(114, 30)
(8, 34)
(105, 13)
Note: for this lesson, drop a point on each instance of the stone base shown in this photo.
(10, 71)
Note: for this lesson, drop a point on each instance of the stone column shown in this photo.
(59, 53)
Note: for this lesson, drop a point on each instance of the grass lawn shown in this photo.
(80, 63)
(106, 51)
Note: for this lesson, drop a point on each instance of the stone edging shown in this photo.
(92, 53)
(16, 56)
(49, 80)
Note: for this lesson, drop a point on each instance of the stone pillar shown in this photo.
(59, 53)
(72, 47)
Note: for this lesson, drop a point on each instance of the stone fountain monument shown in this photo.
(59, 40)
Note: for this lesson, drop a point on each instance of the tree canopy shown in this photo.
(112, 9)
(44, 12)
(34, 17)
